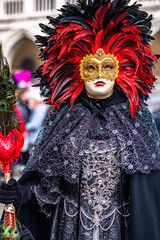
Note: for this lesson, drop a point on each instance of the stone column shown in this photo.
(1, 9)
(28, 7)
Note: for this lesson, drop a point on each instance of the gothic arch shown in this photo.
(11, 40)
(19, 46)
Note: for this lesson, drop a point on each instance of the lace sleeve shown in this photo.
(47, 193)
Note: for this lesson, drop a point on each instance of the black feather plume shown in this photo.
(83, 13)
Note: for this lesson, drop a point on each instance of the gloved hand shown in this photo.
(11, 192)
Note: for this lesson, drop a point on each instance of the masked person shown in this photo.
(94, 171)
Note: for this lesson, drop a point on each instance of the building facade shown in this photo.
(19, 23)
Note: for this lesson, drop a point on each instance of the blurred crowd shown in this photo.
(30, 111)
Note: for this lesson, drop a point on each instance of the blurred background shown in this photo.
(19, 22)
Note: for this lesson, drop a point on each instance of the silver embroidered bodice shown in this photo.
(99, 196)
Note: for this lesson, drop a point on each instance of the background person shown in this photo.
(38, 113)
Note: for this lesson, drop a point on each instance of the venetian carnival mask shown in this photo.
(102, 64)
(99, 72)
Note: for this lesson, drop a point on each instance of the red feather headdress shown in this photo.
(115, 27)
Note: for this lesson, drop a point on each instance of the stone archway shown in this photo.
(19, 48)
(25, 54)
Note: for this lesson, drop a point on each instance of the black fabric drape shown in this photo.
(144, 191)
(38, 224)
(145, 206)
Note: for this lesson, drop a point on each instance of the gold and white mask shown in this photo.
(100, 64)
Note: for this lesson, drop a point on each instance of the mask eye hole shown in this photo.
(108, 66)
(91, 67)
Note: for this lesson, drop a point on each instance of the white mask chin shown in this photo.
(99, 88)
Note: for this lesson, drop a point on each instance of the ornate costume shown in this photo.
(87, 161)
(95, 161)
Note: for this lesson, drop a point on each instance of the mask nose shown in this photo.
(100, 76)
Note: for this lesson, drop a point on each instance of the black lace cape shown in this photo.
(65, 134)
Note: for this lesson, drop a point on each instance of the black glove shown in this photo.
(10, 193)
(14, 193)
